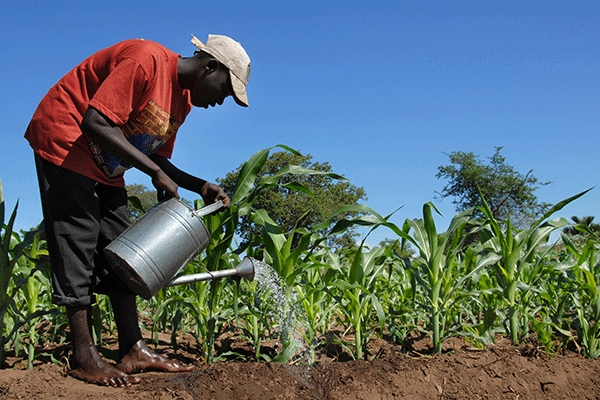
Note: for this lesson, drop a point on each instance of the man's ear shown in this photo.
(212, 65)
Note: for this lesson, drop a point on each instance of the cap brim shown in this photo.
(239, 90)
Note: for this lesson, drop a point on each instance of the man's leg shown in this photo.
(125, 312)
(71, 222)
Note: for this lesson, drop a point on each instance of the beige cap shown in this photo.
(231, 54)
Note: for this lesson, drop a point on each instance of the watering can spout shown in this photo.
(245, 270)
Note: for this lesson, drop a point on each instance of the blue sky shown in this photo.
(381, 90)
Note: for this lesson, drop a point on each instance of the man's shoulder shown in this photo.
(151, 56)
(141, 48)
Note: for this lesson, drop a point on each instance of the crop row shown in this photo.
(478, 279)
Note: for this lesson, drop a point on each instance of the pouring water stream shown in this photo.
(281, 308)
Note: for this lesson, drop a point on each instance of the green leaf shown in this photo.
(296, 170)
(356, 269)
(557, 207)
(421, 240)
(248, 174)
(288, 352)
(378, 310)
(136, 203)
(429, 225)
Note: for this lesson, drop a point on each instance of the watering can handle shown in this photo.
(209, 209)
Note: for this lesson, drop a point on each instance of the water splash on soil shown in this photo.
(282, 308)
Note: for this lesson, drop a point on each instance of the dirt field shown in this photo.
(461, 372)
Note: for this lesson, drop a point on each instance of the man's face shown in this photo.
(212, 86)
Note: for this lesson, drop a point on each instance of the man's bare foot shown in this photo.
(87, 364)
(141, 359)
(99, 372)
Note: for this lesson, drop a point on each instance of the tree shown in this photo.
(292, 209)
(146, 197)
(507, 192)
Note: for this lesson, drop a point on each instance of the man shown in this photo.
(119, 108)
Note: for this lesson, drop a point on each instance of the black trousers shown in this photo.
(81, 217)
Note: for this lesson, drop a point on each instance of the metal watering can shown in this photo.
(151, 252)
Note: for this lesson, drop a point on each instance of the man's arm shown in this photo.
(105, 133)
(210, 192)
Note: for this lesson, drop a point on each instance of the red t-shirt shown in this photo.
(134, 84)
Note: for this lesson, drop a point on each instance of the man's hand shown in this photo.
(212, 193)
(165, 186)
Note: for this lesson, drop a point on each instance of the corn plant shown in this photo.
(220, 242)
(356, 291)
(517, 251)
(440, 266)
(586, 273)
(483, 311)
(14, 250)
(289, 262)
(165, 310)
(30, 270)
(554, 291)
(531, 308)
(555, 294)
(399, 298)
(7, 264)
(317, 305)
(250, 321)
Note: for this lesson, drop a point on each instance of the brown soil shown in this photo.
(460, 372)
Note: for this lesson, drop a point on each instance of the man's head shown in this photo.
(232, 55)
